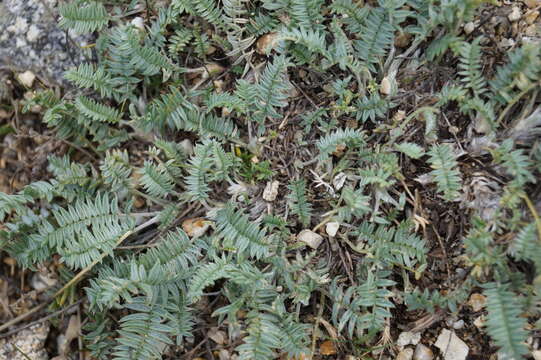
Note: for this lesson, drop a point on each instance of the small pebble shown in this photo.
(507, 42)
(451, 346)
(469, 27)
(515, 14)
(139, 23)
(332, 228)
(310, 238)
(407, 337)
(27, 78)
(422, 352)
(271, 191)
(42, 282)
(479, 322)
(216, 335)
(477, 301)
(186, 146)
(385, 86)
(457, 325)
(406, 354)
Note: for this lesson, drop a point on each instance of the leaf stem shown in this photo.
(77, 277)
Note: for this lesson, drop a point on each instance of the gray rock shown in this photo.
(451, 346)
(31, 40)
(457, 325)
(310, 238)
(407, 337)
(26, 344)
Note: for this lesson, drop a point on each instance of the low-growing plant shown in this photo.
(157, 85)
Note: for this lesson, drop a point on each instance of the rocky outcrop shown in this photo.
(31, 40)
(26, 344)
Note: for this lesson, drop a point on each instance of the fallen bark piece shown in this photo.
(327, 348)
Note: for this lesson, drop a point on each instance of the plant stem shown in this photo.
(534, 214)
(77, 277)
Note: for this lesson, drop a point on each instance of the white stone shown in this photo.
(507, 42)
(139, 23)
(515, 14)
(42, 282)
(425, 179)
(33, 33)
(218, 336)
(331, 228)
(271, 191)
(310, 238)
(385, 86)
(451, 346)
(536, 354)
(422, 352)
(238, 190)
(186, 146)
(27, 78)
(457, 325)
(407, 337)
(479, 322)
(469, 27)
(406, 354)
